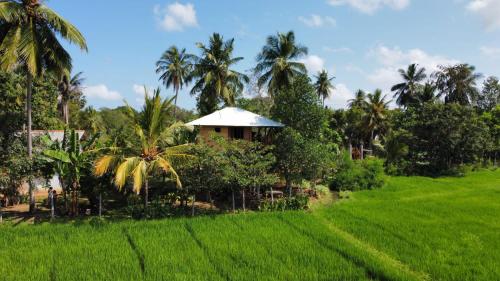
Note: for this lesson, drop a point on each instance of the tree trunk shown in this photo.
(146, 194)
(175, 103)
(29, 88)
(272, 196)
(192, 205)
(100, 204)
(289, 186)
(210, 200)
(362, 152)
(234, 206)
(52, 205)
(1, 214)
(243, 201)
(66, 113)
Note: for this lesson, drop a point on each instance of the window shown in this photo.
(238, 133)
(217, 130)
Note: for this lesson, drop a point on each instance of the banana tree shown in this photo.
(70, 158)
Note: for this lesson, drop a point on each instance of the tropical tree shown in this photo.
(323, 85)
(215, 80)
(490, 95)
(457, 83)
(406, 92)
(375, 118)
(151, 156)
(71, 89)
(278, 62)
(427, 93)
(174, 68)
(69, 159)
(29, 34)
(359, 100)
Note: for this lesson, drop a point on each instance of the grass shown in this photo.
(413, 229)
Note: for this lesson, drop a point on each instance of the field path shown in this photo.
(380, 257)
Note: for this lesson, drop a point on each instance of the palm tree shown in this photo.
(375, 118)
(70, 90)
(406, 92)
(151, 156)
(29, 34)
(277, 62)
(174, 68)
(427, 94)
(457, 83)
(215, 80)
(359, 100)
(323, 85)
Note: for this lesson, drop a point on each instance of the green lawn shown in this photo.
(413, 229)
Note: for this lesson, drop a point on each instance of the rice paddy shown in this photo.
(413, 229)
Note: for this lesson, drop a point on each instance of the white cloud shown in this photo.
(488, 10)
(318, 21)
(491, 52)
(338, 50)
(176, 16)
(371, 6)
(313, 63)
(101, 92)
(392, 59)
(340, 97)
(139, 90)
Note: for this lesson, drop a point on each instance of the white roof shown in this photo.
(234, 117)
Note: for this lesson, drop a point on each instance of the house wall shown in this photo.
(205, 132)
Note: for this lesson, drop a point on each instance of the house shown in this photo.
(233, 123)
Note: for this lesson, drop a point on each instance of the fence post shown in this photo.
(362, 152)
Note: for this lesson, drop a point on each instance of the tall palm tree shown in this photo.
(376, 107)
(324, 85)
(151, 156)
(406, 93)
(29, 34)
(215, 80)
(174, 68)
(457, 83)
(278, 62)
(427, 93)
(359, 100)
(71, 89)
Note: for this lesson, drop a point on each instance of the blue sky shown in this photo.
(361, 42)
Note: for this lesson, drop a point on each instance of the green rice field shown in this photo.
(412, 229)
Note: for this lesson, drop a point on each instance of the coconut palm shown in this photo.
(29, 34)
(359, 100)
(323, 85)
(278, 62)
(457, 83)
(375, 118)
(174, 68)
(406, 93)
(215, 80)
(71, 89)
(151, 157)
(427, 94)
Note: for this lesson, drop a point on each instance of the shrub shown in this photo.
(299, 202)
(358, 175)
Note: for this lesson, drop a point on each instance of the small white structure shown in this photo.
(55, 135)
(233, 123)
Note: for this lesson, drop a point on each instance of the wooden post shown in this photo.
(362, 153)
(243, 195)
(272, 196)
(350, 150)
(234, 206)
(100, 204)
(52, 205)
(1, 213)
(192, 205)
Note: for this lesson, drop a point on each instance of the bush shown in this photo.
(358, 175)
(299, 202)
